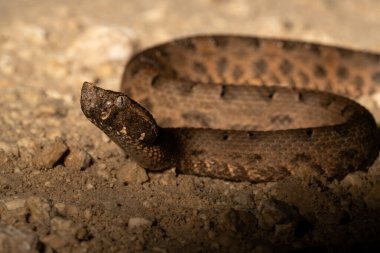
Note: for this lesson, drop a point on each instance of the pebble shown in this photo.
(138, 222)
(50, 154)
(372, 199)
(78, 159)
(39, 210)
(243, 198)
(14, 240)
(272, 212)
(356, 179)
(239, 221)
(132, 173)
(14, 204)
(101, 170)
(64, 231)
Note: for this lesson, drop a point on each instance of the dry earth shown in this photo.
(64, 187)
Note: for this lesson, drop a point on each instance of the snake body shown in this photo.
(242, 108)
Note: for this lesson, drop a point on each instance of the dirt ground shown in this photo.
(65, 187)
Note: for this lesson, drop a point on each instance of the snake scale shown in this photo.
(242, 108)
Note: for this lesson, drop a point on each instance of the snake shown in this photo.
(242, 108)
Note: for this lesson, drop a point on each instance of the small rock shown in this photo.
(138, 222)
(356, 179)
(6, 147)
(89, 186)
(243, 198)
(239, 221)
(101, 170)
(61, 208)
(272, 212)
(18, 215)
(50, 154)
(63, 232)
(54, 241)
(14, 204)
(132, 173)
(78, 159)
(39, 210)
(372, 199)
(13, 240)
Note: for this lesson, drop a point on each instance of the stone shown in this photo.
(14, 204)
(131, 173)
(78, 159)
(39, 210)
(139, 222)
(14, 240)
(272, 212)
(50, 154)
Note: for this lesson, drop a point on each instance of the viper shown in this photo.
(242, 108)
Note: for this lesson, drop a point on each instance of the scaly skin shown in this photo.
(215, 118)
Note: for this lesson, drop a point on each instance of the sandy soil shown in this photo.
(64, 187)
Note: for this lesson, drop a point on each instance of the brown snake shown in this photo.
(242, 108)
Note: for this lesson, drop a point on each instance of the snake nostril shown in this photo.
(226, 137)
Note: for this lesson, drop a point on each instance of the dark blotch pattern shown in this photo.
(237, 72)
(221, 66)
(342, 72)
(254, 42)
(186, 88)
(220, 42)
(260, 67)
(199, 67)
(319, 71)
(286, 67)
(315, 49)
(344, 53)
(376, 77)
(359, 82)
(189, 44)
(288, 45)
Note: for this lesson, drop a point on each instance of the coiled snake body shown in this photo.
(242, 108)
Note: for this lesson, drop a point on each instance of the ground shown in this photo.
(65, 187)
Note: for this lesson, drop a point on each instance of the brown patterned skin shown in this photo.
(242, 108)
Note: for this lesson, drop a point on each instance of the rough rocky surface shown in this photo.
(64, 187)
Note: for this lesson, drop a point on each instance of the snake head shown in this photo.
(117, 115)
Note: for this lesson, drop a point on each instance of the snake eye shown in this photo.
(120, 101)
